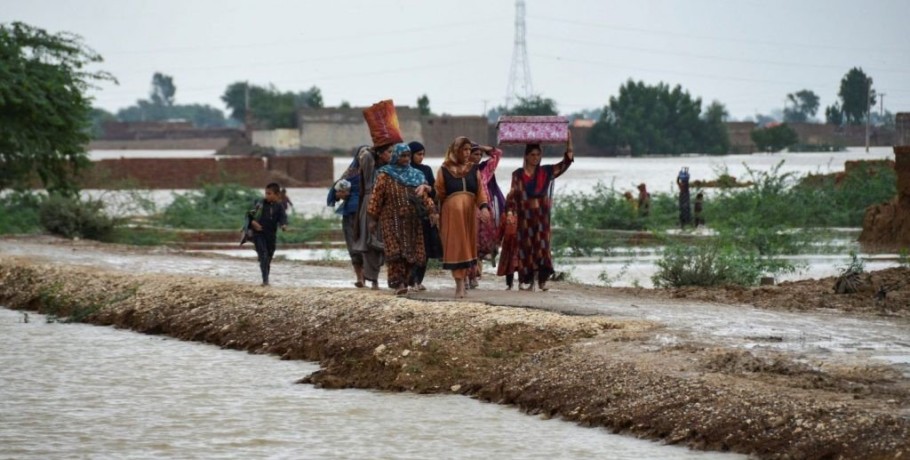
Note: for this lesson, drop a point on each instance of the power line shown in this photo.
(714, 38)
(300, 39)
(710, 57)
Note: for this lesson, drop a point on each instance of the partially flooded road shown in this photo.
(818, 335)
(724, 377)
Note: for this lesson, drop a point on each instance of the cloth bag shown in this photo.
(383, 123)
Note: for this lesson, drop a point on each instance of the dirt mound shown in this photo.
(812, 294)
(887, 225)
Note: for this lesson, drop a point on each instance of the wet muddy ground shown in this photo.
(781, 372)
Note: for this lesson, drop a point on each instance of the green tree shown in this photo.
(534, 105)
(802, 105)
(715, 139)
(834, 115)
(423, 104)
(163, 90)
(268, 105)
(856, 95)
(344, 105)
(99, 117)
(44, 112)
(659, 120)
(775, 138)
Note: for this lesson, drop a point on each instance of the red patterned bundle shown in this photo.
(383, 123)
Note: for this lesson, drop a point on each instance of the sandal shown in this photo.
(402, 291)
(359, 284)
(543, 286)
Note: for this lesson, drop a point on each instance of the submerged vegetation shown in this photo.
(779, 214)
(751, 228)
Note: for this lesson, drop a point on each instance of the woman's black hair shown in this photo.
(530, 147)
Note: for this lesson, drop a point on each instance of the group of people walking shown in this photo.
(397, 212)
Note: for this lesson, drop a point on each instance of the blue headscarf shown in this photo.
(406, 175)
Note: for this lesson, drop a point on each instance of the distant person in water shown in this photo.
(266, 216)
(285, 201)
(685, 205)
(699, 208)
(644, 200)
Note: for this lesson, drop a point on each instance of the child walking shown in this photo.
(266, 216)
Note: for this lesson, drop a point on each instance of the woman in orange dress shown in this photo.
(459, 189)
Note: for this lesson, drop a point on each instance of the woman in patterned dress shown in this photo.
(398, 201)
(531, 196)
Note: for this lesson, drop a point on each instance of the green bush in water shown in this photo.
(19, 212)
(72, 217)
(711, 264)
(215, 206)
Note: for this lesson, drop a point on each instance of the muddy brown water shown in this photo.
(81, 391)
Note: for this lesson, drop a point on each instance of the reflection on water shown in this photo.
(79, 391)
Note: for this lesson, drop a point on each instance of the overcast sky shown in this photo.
(746, 54)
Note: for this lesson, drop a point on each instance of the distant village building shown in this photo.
(333, 129)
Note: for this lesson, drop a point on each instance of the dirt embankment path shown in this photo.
(617, 373)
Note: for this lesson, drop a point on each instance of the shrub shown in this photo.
(710, 264)
(73, 217)
(19, 212)
(215, 206)
(775, 138)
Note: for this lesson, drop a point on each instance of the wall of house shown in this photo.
(278, 139)
(184, 173)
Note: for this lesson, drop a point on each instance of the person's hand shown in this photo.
(423, 190)
(256, 226)
(342, 194)
(569, 152)
(485, 215)
(284, 228)
(434, 220)
(488, 149)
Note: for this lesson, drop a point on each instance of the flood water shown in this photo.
(81, 391)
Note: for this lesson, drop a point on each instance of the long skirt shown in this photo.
(534, 254)
(459, 233)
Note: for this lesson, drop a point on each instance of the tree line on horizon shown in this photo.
(47, 119)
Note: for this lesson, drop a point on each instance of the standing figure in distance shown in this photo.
(685, 207)
(699, 208)
(644, 200)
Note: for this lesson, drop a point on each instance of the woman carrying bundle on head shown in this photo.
(531, 197)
